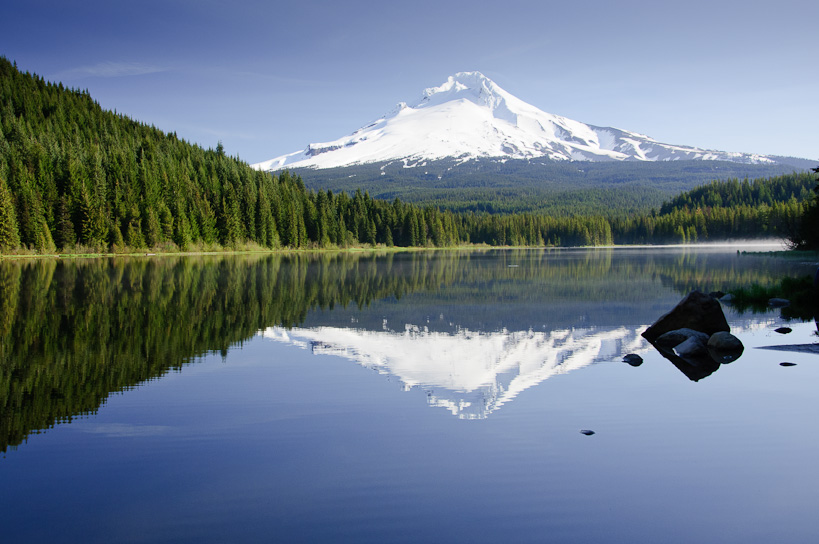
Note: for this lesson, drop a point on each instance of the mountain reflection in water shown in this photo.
(470, 373)
(74, 331)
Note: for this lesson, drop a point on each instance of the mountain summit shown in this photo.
(469, 117)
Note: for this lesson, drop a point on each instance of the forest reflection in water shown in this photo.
(74, 331)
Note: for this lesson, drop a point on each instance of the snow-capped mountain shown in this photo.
(469, 117)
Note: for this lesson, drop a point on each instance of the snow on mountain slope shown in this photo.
(469, 116)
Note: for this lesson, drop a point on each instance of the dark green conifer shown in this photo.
(66, 237)
(9, 233)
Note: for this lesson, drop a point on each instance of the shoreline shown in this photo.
(740, 246)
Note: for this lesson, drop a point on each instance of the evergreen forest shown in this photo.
(541, 186)
(75, 178)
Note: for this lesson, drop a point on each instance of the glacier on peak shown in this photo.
(469, 116)
(472, 86)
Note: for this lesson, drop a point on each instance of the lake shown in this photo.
(400, 397)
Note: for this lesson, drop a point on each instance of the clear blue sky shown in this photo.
(267, 78)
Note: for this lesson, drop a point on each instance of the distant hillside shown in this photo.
(735, 193)
(778, 207)
(557, 188)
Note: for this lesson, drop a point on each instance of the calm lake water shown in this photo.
(405, 397)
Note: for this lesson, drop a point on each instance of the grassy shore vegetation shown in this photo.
(801, 292)
(75, 178)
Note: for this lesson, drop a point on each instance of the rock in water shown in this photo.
(672, 339)
(692, 348)
(783, 330)
(633, 359)
(787, 364)
(724, 357)
(696, 311)
(778, 302)
(725, 341)
(587, 432)
(724, 347)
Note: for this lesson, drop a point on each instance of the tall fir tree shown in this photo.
(9, 233)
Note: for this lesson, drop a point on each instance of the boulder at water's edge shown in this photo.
(696, 311)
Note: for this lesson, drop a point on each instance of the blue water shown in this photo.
(331, 433)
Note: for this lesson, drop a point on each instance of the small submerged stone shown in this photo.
(787, 364)
(778, 302)
(587, 432)
(783, 330)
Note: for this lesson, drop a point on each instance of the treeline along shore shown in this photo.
(77, 178)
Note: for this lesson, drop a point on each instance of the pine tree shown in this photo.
(133, 233)
(207, 222)
(32, 224)
(371, 232)
(410, 230)
(94, 226)
(166, 222)
(182, 232)
(9, 233)
(66, 237)
(117, 241)
(809, 228)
